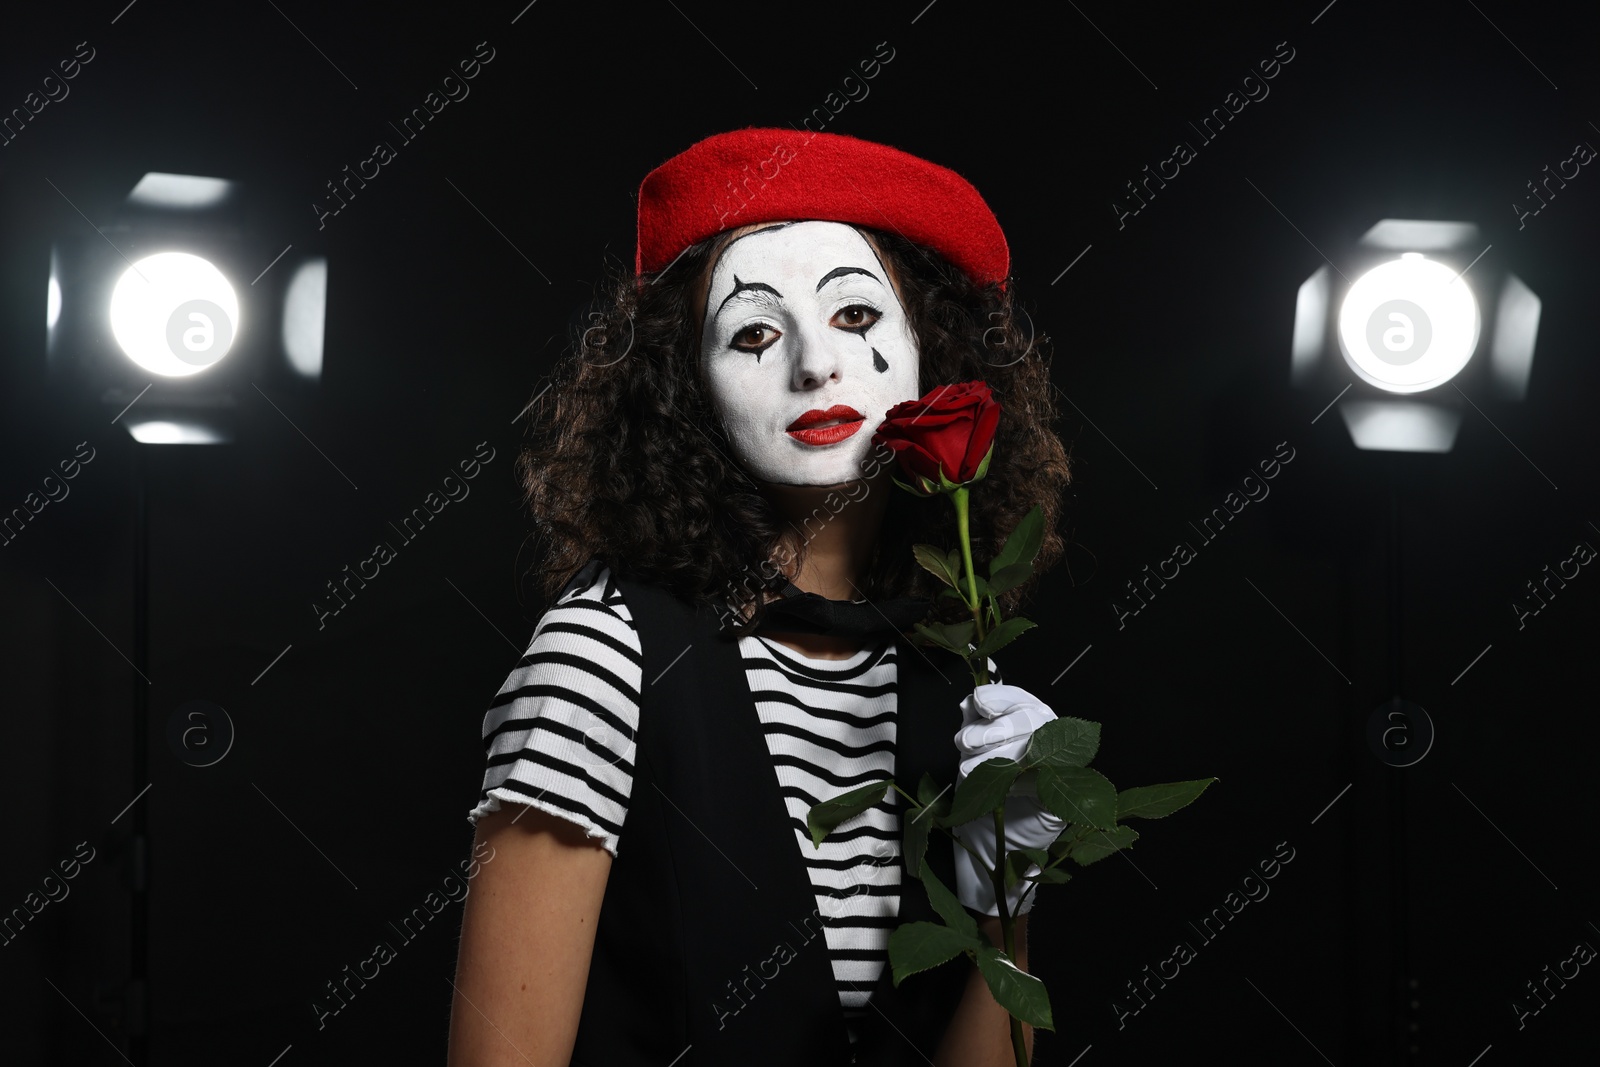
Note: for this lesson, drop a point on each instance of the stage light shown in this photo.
(1413, 323)
(174, 314)
(1409, 324)
(185, 307)
(162, 318)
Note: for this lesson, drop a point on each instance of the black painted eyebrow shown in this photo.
(839, 272)
(739, 287)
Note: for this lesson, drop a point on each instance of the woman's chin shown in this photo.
(799, 480)
(832, 465)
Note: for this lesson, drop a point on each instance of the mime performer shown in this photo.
(732, 588)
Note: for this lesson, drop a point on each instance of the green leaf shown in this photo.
(1023, 544)
(914, 840)
(1014, 989)
(824, 816)
(1156, 801)
(1018, 861)
(933, 561)
(954, 594)
(913, 490)
(1003, 635)
(919, 824)
(920, 946)
(935, 635)
(1078, 794)
(958, 635)
(954, 564)
(1008, 578)
(983, 790)
(950, 909)
(1069, 839)
(1049, 876)
(1098, 844)
(1036, 855)
(1063, 742)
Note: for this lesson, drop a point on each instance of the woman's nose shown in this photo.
(815, 357)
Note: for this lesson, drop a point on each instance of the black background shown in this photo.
(1407, 921)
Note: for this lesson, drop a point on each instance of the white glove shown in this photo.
(999, 721)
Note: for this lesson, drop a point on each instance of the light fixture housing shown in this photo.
(190, 295)
(1427, 317)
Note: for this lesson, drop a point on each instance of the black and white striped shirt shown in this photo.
(560, 737)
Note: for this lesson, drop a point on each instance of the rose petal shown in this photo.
(982, 438)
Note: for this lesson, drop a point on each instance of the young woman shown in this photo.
(733, 580)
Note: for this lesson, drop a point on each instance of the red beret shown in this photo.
(771, 175)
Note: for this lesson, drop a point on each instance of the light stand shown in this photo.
(1394, 342)
(151, 317)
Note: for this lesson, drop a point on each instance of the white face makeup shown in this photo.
(801, 318)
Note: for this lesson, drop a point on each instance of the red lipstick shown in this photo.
(809, 429)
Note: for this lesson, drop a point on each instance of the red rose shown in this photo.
(947, 432)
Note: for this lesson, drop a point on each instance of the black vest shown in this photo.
(709, 945)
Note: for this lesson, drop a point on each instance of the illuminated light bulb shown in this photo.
(174, 314)
(1409, 324)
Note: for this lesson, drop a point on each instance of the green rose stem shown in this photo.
(1007, 922)
(959, 498)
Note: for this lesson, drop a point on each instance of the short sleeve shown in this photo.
(560, 734)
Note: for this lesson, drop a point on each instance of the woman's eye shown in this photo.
(857, 317)
(755, 338)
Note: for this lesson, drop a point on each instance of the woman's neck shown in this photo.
(838, 526)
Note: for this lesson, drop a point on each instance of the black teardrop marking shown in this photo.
(879, 364)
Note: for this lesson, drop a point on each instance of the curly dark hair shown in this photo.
(628, 461)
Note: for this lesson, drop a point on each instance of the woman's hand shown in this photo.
(999, 721)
